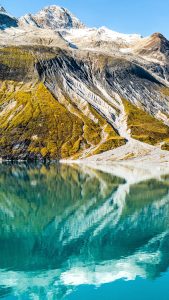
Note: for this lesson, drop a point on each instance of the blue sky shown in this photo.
(127, 16)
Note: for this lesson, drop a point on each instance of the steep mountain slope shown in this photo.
(33, 123)
(69, 91)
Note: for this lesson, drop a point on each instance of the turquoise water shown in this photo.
(68, 232)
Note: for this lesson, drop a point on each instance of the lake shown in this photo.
(75, 233)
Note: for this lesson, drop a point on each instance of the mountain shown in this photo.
(6, 20)
(68, 91)
(155, 46)
(53, 17)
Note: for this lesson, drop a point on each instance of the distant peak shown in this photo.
(2, 9)
(6, 20)
(158, 35)
(53, 7)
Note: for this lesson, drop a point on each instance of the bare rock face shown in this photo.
(52, 17)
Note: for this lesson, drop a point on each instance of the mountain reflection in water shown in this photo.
(64, 226)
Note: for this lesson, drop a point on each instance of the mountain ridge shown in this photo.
(112, 88)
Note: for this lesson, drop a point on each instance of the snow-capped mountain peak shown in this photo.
(52, 17)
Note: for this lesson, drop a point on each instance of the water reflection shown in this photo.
(64, 226)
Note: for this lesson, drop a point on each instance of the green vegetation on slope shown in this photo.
(15, 57)
(143, 126)
(35, 125)
(165, 91)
